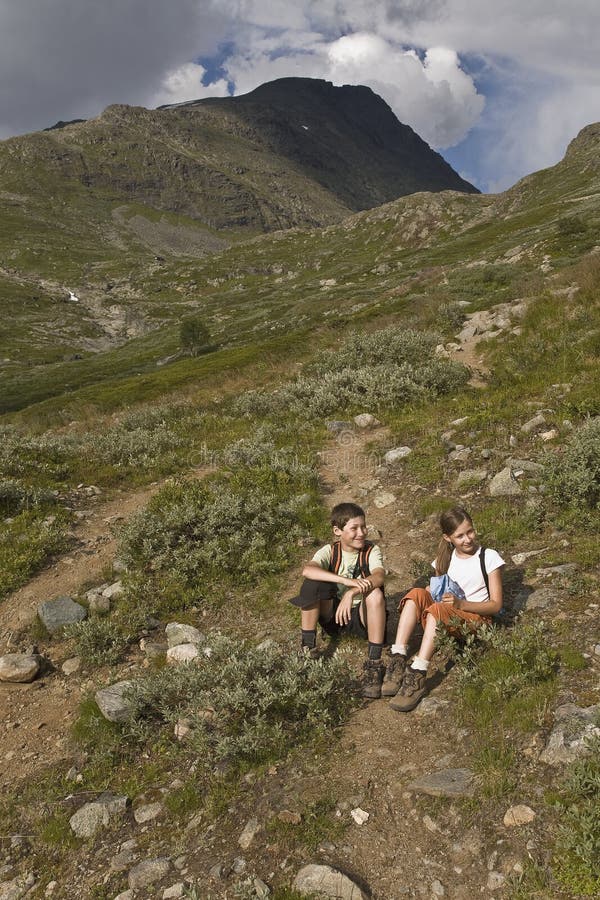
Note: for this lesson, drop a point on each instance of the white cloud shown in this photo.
(186, 83)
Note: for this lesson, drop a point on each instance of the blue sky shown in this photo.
(499, 87)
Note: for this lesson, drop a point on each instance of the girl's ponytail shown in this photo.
(449, 522)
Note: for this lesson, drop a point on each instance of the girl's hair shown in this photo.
(449, 522)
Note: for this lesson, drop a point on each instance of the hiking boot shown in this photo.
(411, 690)
(372, 678)
(394, 673)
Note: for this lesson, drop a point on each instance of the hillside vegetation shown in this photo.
(253, 759)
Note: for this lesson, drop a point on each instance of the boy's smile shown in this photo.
(353, 535)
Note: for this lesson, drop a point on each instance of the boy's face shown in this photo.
(353, 535)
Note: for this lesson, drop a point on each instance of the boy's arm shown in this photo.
(316, 572)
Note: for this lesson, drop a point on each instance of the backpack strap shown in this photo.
(363, 559)
(483, 569)
(335, 562)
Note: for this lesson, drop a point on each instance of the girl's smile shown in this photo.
(464, 539)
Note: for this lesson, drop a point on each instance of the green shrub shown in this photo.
(27, 542)
(245, 705)
(389, 368)
(573, 475)
(222, 530)
(98, 641)
(15, 497)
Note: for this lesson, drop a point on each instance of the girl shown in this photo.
(459, 555)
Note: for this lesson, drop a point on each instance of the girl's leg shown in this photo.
(428, 642)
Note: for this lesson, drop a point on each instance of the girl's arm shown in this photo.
(488, 607)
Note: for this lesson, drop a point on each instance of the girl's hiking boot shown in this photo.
(372, 678)
(411, 690)
(394, 673)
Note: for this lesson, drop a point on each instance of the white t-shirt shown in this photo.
(348, 565)
(467, 572)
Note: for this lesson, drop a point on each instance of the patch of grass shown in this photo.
(28, 541)
(55, 831)
(318, 824)
(99, 641)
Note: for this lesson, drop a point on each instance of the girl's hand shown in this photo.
(344, 611)
(451, 598)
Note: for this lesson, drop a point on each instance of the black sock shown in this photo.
(309, 638)
(375, 650)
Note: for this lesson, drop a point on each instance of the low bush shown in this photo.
(26, 543)
(244, 705)
(98, 641)
(389, 368)
(15, 497)
(573, 476)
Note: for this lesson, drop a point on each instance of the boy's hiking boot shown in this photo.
(411, 690)
(394, 673)
(372, 678)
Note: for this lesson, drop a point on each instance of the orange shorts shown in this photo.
(442, 612)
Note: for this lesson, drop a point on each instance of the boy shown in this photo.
(343, 590)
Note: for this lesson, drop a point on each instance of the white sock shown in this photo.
(421, 664)
(400, 648)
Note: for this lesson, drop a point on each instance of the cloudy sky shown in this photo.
(499, 87)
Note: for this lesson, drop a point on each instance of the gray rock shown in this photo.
(573, 728)
(395, 455)
(533, 424)
(148, 872)
(565, 569)
(328, 882)
(122, 860)
(98, 814)
(384, 499)
(174, 892)
(446, 783)
(113, 590)
(19, 668)
(56, 614)
(429, 706)
(17, 888)
(461, 454)
(147, 812)
(113, 702)
(471, 476)
(366, 420)
(504, 484)
(178, 633)
(518, 815)
(495, 881)
(182, 653)
(124, 895)
(71, 665)
(98, 603)
(541, 598)
(526, 465)
(520, 558)
(238, 865)
(250, 831)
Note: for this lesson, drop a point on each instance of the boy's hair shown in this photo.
(343, 512)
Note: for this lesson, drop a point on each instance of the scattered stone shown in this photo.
(328, 882)
(19, 668)
(461, 454)
(56, 614)
(17, 888)
(217, 871)
(526, 465)
(71, 665)
(437, 888)
(178, 633)
(359, 815)
(471, 476)
(98, 814)
(182, 728)
(495, 880)
(384, 499)
(123, 860)
(565, 569)
(445, 783)
(597, 650)
(429, 706)
(261, 889)
(113, 702)
(573, 728)
(366, 420)
(518, 815)
(125, 895)
(153, 649)
(504, 484)
(541, 598)
(549, 435)
(174, 892)
(147, 812)
(250, 831)
(429, 824)
(533, 424)
(98, 603)
(396, 454)
(182, 653)
(148, 872)
(238, 866)
(520, 558)
(113, 590)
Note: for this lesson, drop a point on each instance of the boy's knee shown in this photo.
(375, 599)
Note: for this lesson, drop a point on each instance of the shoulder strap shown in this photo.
(336, 557)
(483, 569)
(363, 559)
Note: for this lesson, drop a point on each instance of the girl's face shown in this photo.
(464, 539)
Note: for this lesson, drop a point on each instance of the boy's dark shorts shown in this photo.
(312, 592)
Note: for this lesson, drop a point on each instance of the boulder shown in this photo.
(504, 484)
(98, 814)
(57, 614)
(178, 633)
(396, 454)
(19, 668)
(366, 420)
(327, 882)
(113, 702)
(182, 653)
(148, 872)
(573, 728)
(445, 783)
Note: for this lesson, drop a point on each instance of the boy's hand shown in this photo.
(344, 611)
(365, 585)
